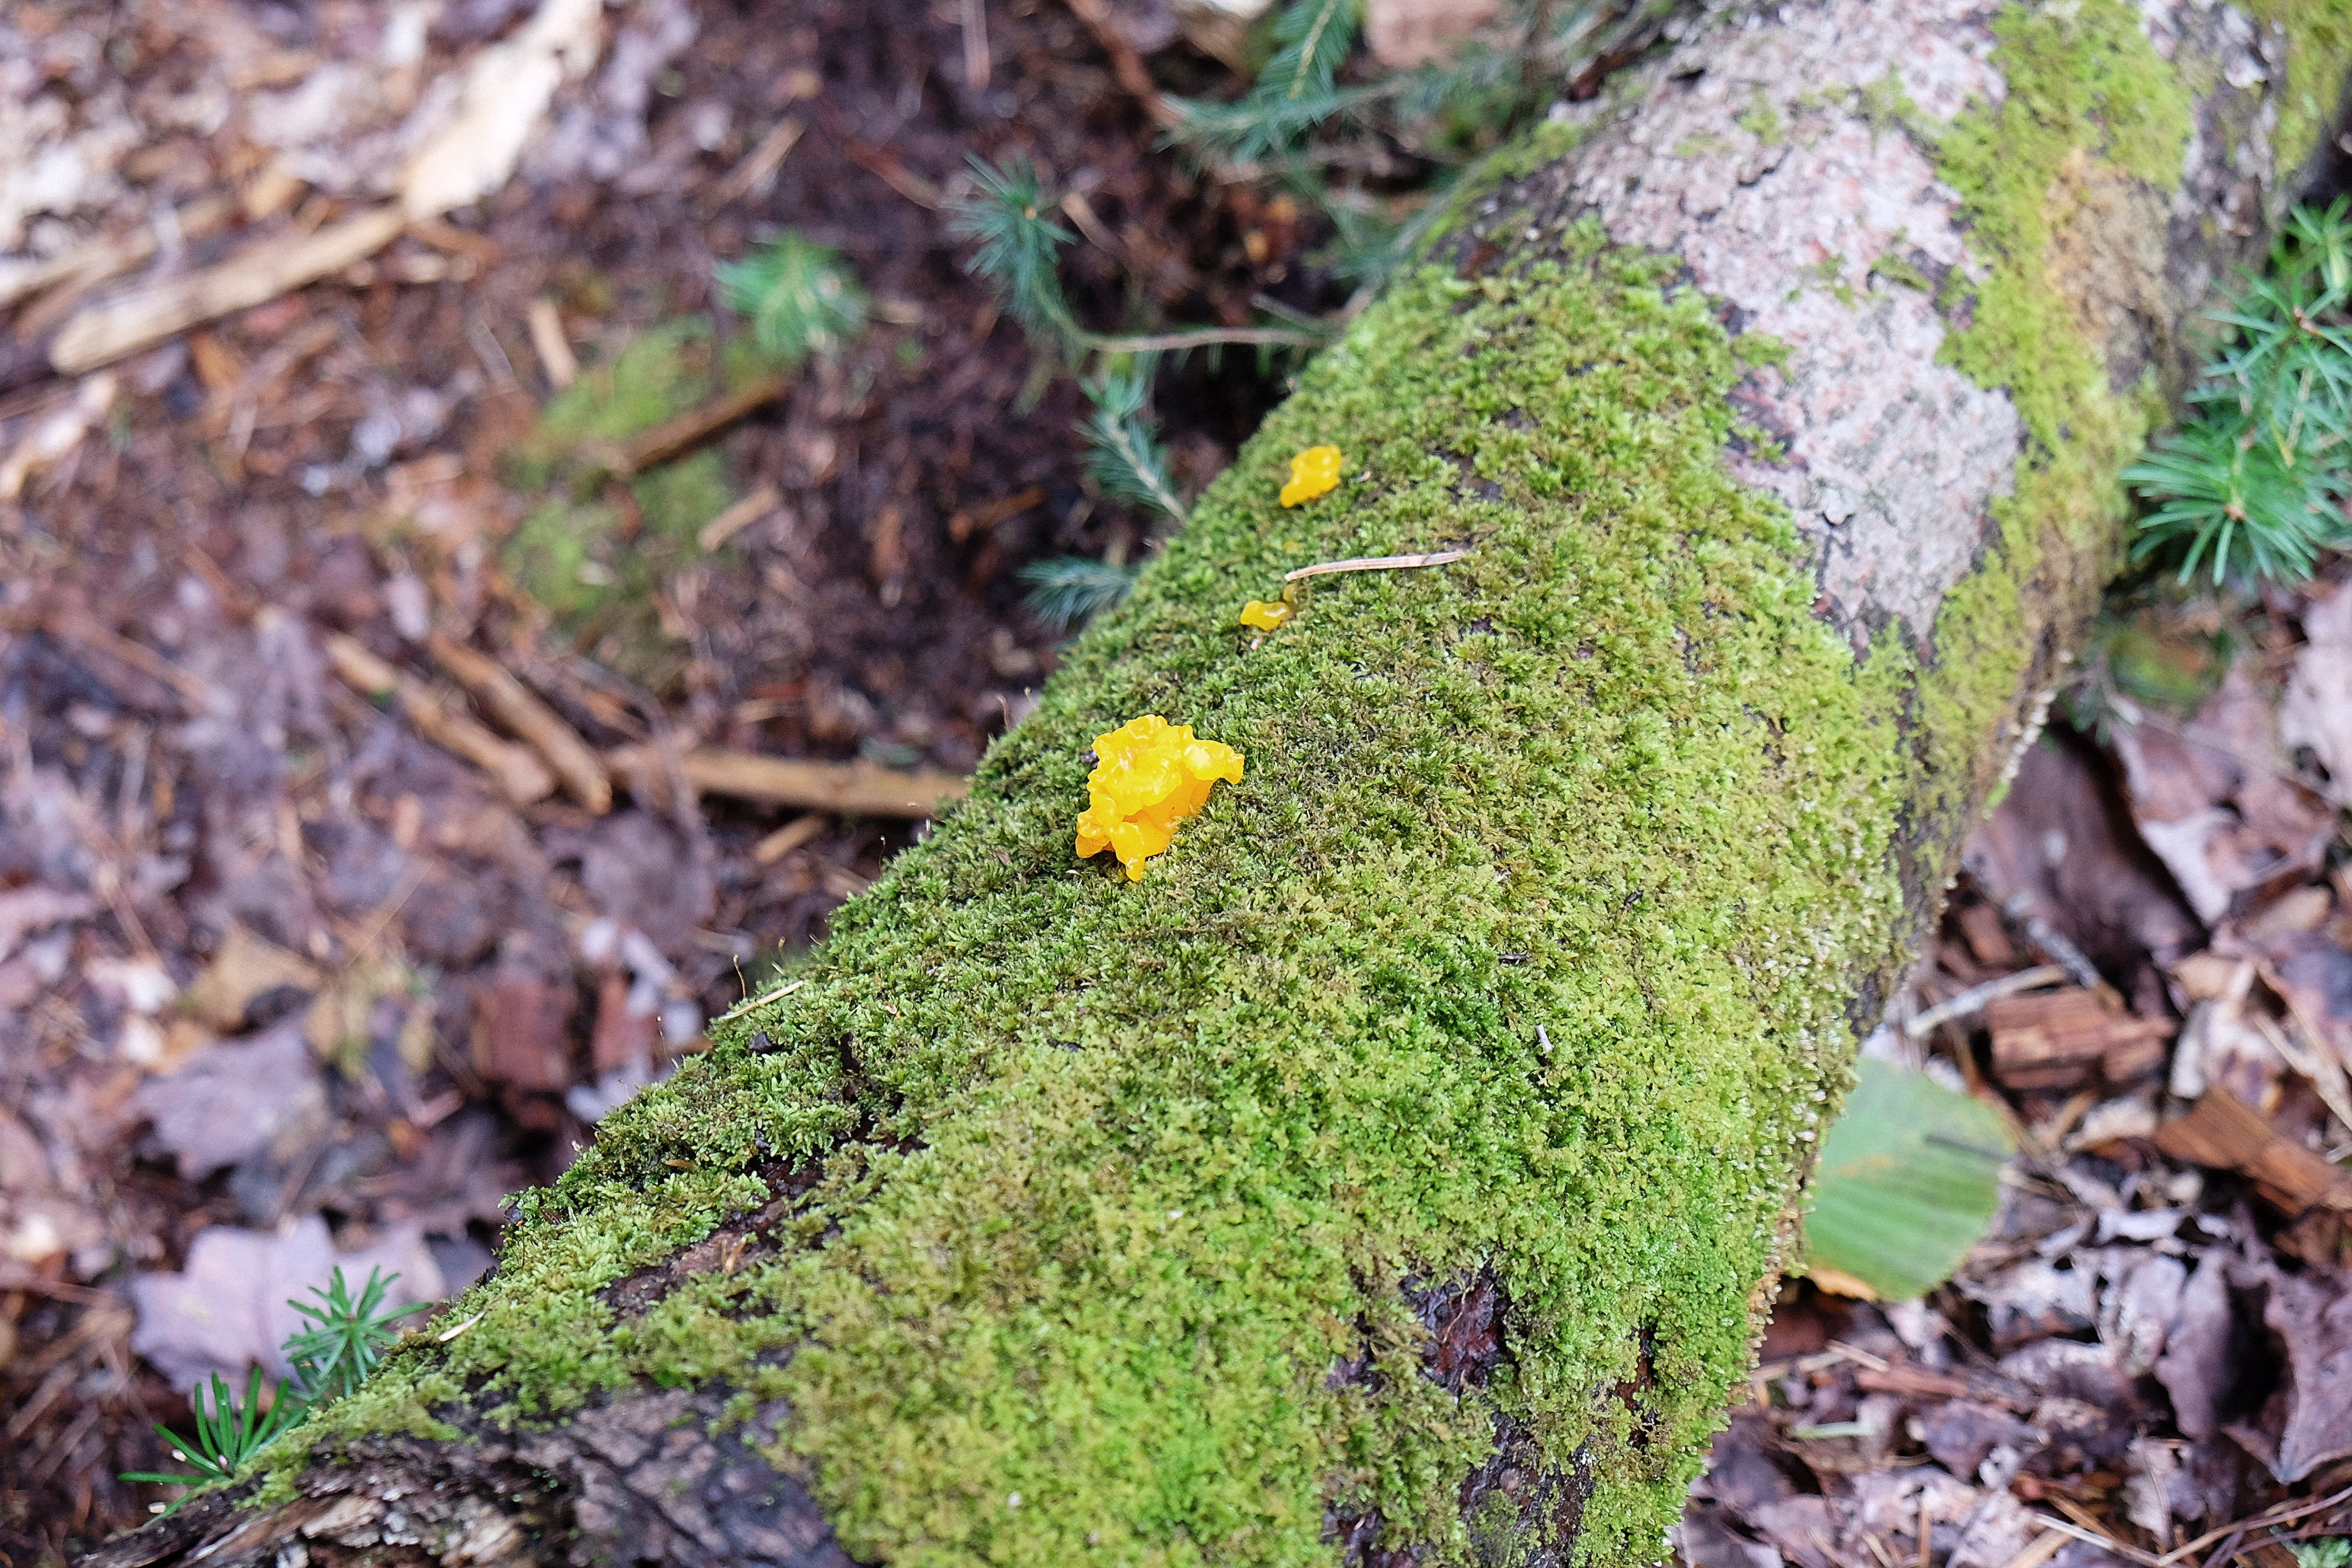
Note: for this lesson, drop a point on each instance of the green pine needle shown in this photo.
(799, 297)
(2253, 486)
(331, 1358)
(345, 1339)
(1296, 92)
(1124, 455)
(1069, 588)
(1019, 246)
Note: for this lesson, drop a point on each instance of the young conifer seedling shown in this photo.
(2253, 486)
(799, 296)
(331, 1358)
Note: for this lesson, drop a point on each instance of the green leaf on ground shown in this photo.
(1909, 1178)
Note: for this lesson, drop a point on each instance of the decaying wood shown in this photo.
(2221, 1133)
(2058, 1038)
(105, 332)
(846, 789)
(512, 704)
(519, 774)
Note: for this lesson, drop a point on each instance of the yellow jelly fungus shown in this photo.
(1265, 616)
(1312, 473)
(1149, 775)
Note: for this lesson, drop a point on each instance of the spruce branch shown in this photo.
(1069, 588)
(1125, 456)
(1018, 245)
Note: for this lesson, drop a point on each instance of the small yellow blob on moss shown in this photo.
(1313, 472)
(1265, 617)
(1149, 775)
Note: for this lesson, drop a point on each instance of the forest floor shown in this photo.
(300, 962)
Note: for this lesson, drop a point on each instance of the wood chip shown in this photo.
(2221, 1133)
(105, 332)
(87, 265)
(512, 704)
(548, 342)
(846, 789)
(2055, 1039)
(519, 774)
(788, 838)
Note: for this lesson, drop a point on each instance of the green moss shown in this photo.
(1761, 120)
(2318, 57)
(1104, 1252)
(2084, 91)
(582, 555)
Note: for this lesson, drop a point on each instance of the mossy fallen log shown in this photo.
(1399, 1172)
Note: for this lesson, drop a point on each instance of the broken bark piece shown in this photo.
(513, 705)
(106, 333)
(518, 772)
(2221, 1133)
(676, 437)
(2055, 1039)
(847, 789)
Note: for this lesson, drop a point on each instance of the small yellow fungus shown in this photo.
(1265, 616)
(1149, 775)
(1312, 473)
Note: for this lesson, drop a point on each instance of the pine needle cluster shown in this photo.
(799, 296)
(345, 1341)
(2254, 485)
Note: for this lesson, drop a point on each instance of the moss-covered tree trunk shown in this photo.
(1399, 1172)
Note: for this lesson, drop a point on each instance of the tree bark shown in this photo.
(1400, 1170)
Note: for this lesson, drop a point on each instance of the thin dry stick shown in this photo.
(1202, 337)
(1376, 563)
(1975, 997)
(764, 1000)
(975, 45)
(2098, 1538)
(2278, 1513)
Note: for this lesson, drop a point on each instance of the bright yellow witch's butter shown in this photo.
(1313, 472)
(1149, 775)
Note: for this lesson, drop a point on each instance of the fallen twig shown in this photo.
(1974, 999)
(849, 789)
(759, 165)
(513, 705)
(674, 437)
(1125, 63)
(763, 999)
(103, 333)
(2277, 1513)
(1376, 563)
(520, 772)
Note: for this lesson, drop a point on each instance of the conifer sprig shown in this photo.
(345, 1341)
(1124, 455)
(799, 297)
(1069, 588)
(2254, 484)
(1019, 246)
